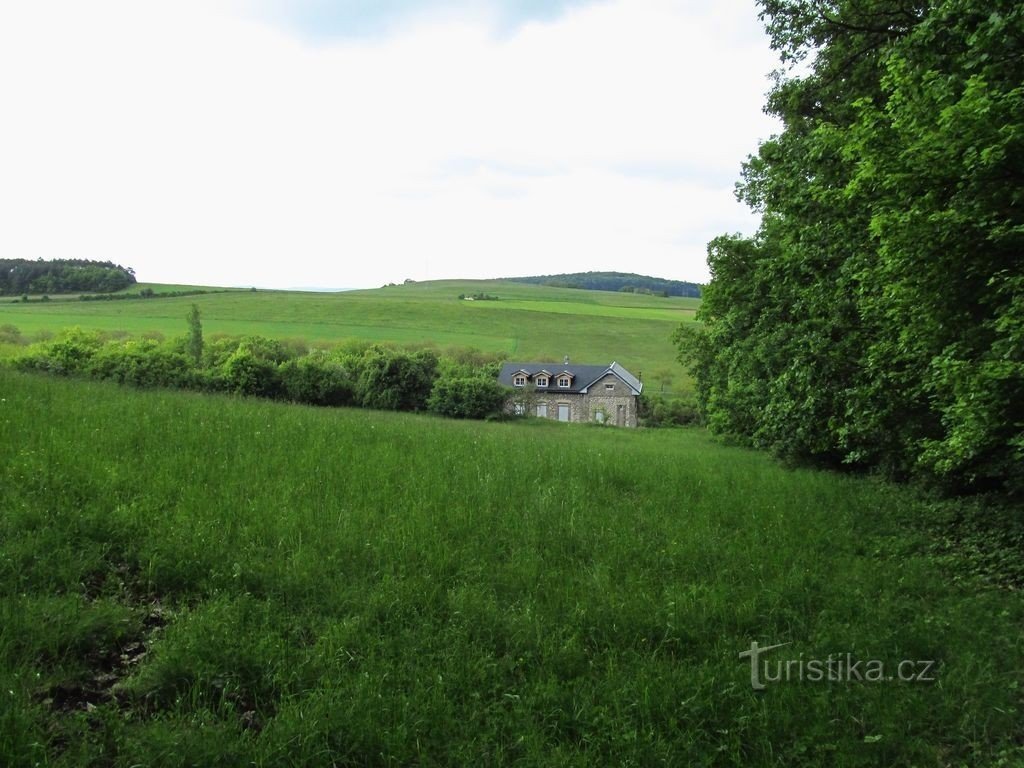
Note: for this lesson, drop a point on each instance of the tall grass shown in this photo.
(199, 580)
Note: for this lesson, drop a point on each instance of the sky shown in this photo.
(345, 144)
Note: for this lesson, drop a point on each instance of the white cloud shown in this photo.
(197, 144)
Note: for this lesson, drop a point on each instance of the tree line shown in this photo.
(21, 276)
(615, 281)
(875, 321)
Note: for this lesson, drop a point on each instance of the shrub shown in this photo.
(467, 398)
(245, 373)
(316, 380)
(143, 363)
(661, 411)
(469, 362)
(9, 334)
(269, 350)
(217, 349)
(69, 354)
(395, 381)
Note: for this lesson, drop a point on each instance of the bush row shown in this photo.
(368, 375)
(146, 293)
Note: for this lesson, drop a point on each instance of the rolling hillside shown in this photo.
(528, 322)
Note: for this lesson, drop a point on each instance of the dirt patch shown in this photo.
(106, 669)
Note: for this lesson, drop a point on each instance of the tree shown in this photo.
(395, 381)
(195, 336)
(877, 317)
(57, 276)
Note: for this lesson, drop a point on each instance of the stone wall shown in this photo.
(613, 398)
(609, 396)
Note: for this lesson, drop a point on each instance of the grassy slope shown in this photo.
(369, 588)
(530, 322)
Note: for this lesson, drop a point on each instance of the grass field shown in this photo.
(199, 580)
(529, 322)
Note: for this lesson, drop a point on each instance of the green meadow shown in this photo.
(527, 322)
(201, 580)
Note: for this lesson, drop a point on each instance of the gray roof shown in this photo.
(583, 375)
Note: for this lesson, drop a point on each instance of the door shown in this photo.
(620, 416)
(563, 411)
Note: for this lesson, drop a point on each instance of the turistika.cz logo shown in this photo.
(835, 668)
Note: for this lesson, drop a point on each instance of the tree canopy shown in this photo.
(21, 276)
(876, 319)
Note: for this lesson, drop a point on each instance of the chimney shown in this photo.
(566, 361)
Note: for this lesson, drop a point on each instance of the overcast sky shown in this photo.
(285, 143)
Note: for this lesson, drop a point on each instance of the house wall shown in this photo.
(577, 405)
(607, 394)
(584, 407)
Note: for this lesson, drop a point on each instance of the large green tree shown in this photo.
(876, 319)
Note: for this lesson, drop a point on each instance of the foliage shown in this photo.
(656, 410)
(10, 334)
(144, 363)
(479, 296)
(395, 381)
(876, 320)
(316, 380)
(246, 372)
(68, 354)
(195, 335)
(145, 293)
(467, 398)
(372, 376)
(21, 276)
(615, 281)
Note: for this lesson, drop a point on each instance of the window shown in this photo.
(599, 417)
(519, 381)
(564, 382)
(609, 386)
(542, 381)
(563, 411)
(542, 410)
(519, 409)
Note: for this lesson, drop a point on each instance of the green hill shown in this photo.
(526, 322)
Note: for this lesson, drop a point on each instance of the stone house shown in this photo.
(601, 393)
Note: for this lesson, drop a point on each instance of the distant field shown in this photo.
(198, 580)
(528, 322)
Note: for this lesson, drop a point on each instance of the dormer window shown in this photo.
(542, 381)
(564, 382)
(519, 381)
